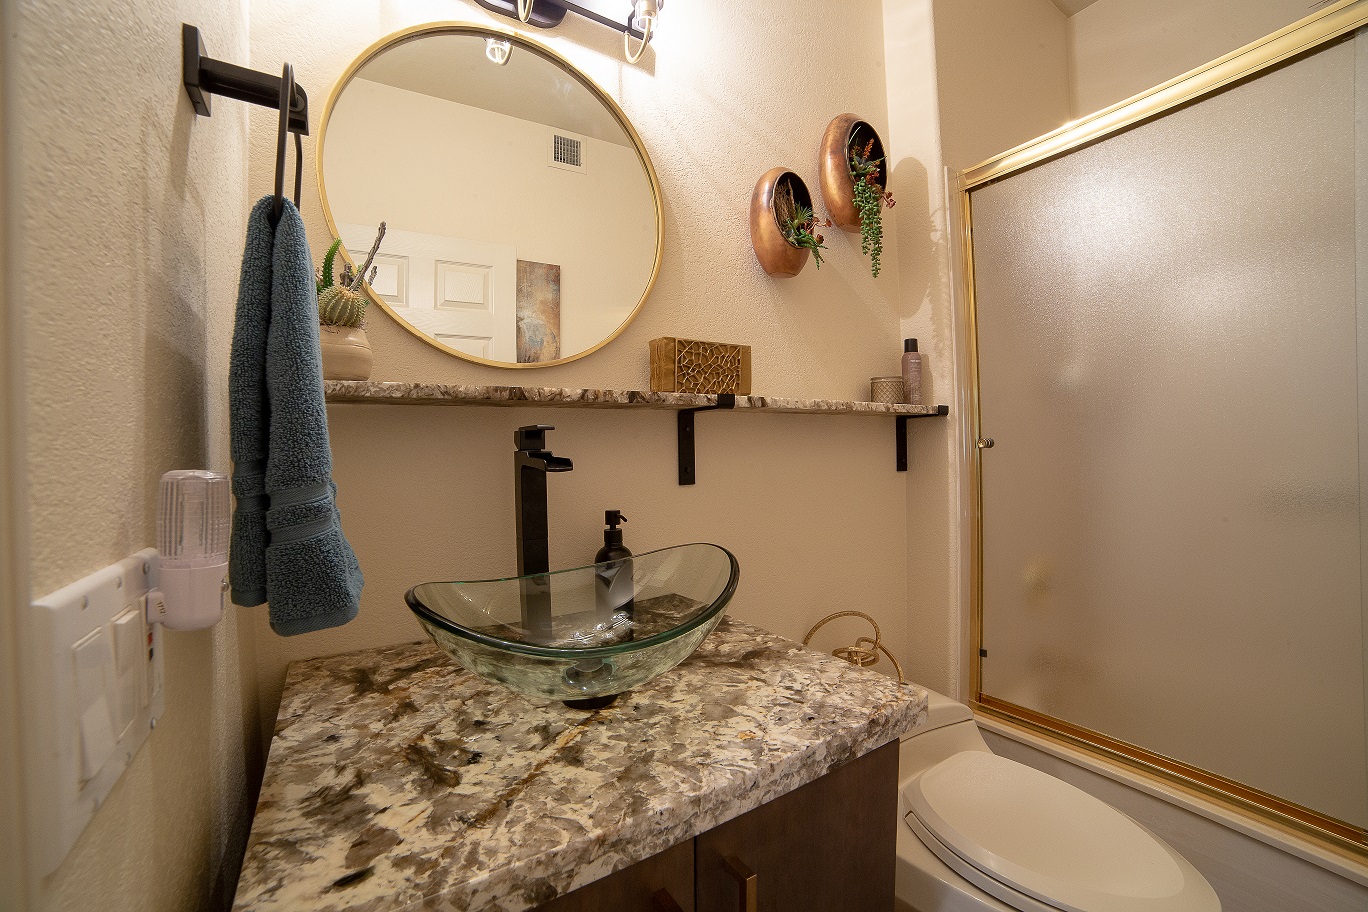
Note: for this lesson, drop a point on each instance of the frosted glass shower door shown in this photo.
(1171, 359)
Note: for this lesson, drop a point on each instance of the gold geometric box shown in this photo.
(691, 366)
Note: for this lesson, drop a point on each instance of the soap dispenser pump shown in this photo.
(614, 585)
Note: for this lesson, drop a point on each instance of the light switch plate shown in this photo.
(92, 665)
(93, 661)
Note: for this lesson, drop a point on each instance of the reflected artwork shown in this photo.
(538, 310)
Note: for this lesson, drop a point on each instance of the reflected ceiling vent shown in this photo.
(567, 152)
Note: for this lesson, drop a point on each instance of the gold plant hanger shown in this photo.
(866, 651)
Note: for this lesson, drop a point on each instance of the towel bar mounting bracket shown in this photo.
(204, 76)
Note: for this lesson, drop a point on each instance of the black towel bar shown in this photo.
(204, 76)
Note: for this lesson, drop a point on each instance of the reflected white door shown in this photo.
(461, 293)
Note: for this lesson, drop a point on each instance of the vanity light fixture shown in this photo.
(498, 50)
(634, 18)
(644, 14)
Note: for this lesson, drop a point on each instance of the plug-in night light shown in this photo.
(194, 520)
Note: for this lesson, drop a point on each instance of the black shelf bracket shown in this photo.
(941, 412)
(684, 419)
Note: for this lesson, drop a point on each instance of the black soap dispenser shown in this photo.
(614, 587)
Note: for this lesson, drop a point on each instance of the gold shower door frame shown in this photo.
(1300, 38)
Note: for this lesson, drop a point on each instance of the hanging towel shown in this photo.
(249, 414)
(287, 546)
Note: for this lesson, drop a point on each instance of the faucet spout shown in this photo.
(531, 463)
(550, 463)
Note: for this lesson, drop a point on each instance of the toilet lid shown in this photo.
(1049, 840)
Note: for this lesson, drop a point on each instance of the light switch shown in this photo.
(93, 662)
(95, 659)
(130, 657)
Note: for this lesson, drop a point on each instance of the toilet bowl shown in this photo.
(980, 832)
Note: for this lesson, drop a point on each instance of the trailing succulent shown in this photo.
(800, 230)
(343, 303)
(870, 199)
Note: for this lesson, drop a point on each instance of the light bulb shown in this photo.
(644, 13)
(643, 19)
(498, 50)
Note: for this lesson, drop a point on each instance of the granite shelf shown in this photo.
(376, 392)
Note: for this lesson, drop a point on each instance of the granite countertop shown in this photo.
(397, 780)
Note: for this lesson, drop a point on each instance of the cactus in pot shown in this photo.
(341, 312)
(344, 304)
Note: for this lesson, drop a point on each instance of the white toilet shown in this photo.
(980, 832)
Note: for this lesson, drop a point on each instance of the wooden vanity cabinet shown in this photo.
(828, 845)
(671, 872)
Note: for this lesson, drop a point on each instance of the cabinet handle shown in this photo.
(662, 901)
(745, 881)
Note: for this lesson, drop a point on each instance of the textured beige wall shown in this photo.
(919, 251)
(812, 505)
(1002, 70)
(132, 213)
(1123, 47)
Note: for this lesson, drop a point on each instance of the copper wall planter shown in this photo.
(834, 161)
(776, 255)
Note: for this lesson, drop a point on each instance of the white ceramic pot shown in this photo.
(346, 352)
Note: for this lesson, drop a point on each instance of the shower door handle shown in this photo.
(985, 443)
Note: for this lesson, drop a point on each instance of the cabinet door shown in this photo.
(636, 889)
(825, 847)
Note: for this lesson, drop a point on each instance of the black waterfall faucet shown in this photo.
(531, 462)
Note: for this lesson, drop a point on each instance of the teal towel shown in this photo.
(248, 413)
(287, 545)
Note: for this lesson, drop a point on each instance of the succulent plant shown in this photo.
(870, 200)
(800, 230)
(344, 304)
(325, 273)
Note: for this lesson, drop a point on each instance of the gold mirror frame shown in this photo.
(1300, 38)
(484, 31)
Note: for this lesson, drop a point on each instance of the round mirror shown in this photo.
(524, 220)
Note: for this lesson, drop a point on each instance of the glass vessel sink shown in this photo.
(583, 635)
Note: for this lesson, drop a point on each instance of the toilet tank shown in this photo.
(949, 729)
